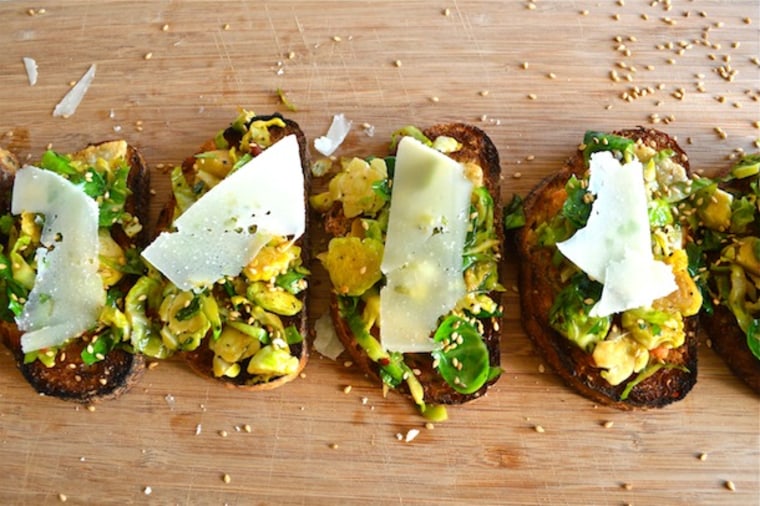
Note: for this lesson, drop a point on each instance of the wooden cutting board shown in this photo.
(534, 75)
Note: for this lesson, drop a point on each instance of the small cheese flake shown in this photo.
(69, 103)
(411, 435)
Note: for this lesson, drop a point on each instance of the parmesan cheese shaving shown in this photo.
(69, 103)
(31, 70)
(224, 230)
(615, 246)
(68, 293)
(422, 260)
(336, 134)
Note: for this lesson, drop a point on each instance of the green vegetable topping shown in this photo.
(462, 359)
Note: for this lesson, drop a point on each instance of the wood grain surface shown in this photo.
(534, 75)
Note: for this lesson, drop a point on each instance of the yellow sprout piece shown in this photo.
(273, 260)
(353, 264)
(621, 356)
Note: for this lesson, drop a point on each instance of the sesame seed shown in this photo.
(397, 63)
(226, 478)
(347, 389)
(147, 490)
(702, 457)
(223, 433)
(627, 486)
(333, 446)
(584, 12)
(539, 428)
(541, 368)
(165, 28)
(434, 99)
(730, 485)
(483, 93)
(525, 65)
(747, 21)
(63, 497)
(148, 56)
(532, 96)
(551, 75)
(226, 26)
(608, 424)
(446, 12)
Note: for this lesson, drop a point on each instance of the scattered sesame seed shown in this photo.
(90, 408)
(702, 457)
(165, 28)
(532, 96)
(347, 389)
(223, 433)
(397, 63)
(226, 478)
(627, 486)
(616, 17)
(541, 368)
(747, 21)
(608, 424)
(337, 38)
(434, 99)
(730, 485)
(63, 497)
(333, 446)
(483, 93)
(539, 428)
(226, 26)
(584, 12)
(147, 490)
(411, 435)
(525, 65)
(446, 12)
(148, 56)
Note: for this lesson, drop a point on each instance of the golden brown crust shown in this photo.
(200, 359)
(539, 284)
(730, 343)
(478, 148)
(70, 378)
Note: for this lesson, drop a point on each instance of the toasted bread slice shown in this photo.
(476, 149)
(202, 358)
(69, 376)
(728, 264)
(542, 278)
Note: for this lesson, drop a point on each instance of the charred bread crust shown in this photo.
(476, 147)
(726, 337)
(730, 344)
(200, 360)
(70, 378)
(540, 282)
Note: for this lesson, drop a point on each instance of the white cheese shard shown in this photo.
(30, 65)
(224, 230)
(615, 246)
(422, 261)
(327, 342)
(69, 103)
(68, 293)
(336, 134)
